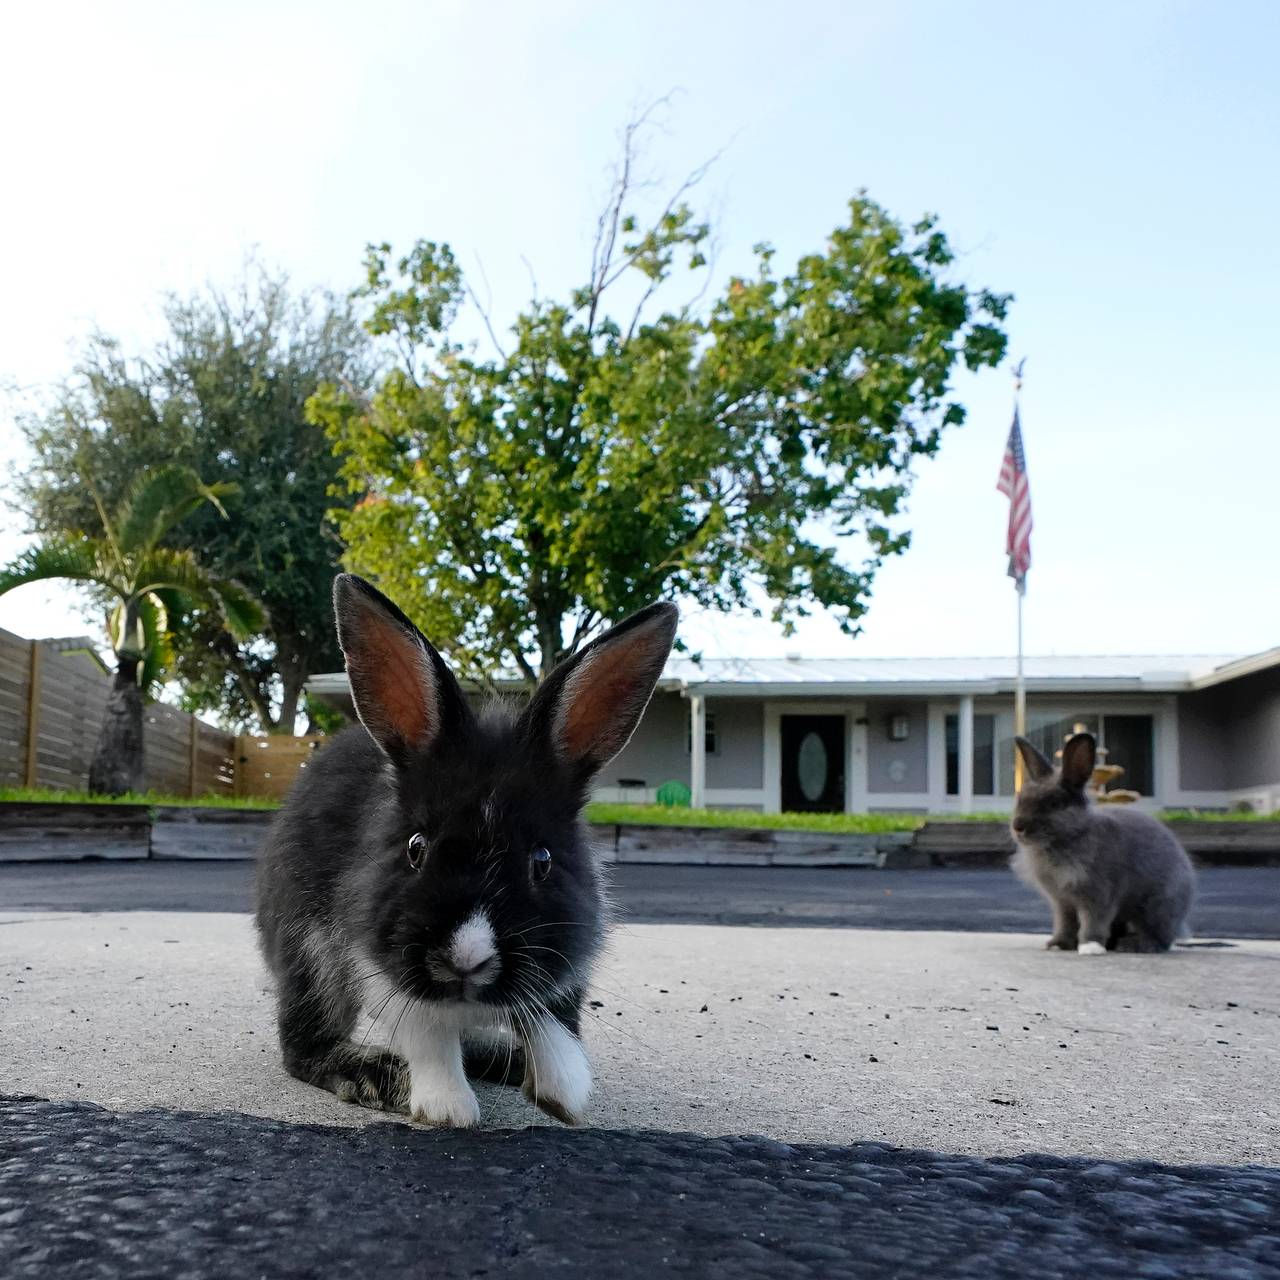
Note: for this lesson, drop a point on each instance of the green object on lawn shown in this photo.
(674, 795)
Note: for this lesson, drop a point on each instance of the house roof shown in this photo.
(833, 677)
(1127, 673)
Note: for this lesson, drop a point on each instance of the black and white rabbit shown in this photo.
(1116, 878)
(432, 871)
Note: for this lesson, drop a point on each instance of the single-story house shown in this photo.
(934, 735)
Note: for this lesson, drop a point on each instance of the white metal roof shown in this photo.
(831, 677)
(1160, 673)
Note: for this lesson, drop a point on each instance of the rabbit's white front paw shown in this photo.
(444, 1104)
(1091, 949)
(557, 1073)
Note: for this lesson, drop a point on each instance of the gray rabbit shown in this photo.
(1116, 878)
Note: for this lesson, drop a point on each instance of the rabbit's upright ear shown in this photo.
(1078, 759)
(1037, 767)
(590, 704)
(404, 694)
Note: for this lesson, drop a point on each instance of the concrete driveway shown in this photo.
(959, 1042)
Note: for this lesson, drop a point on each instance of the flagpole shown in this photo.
(1019, 698)
(1019, 686)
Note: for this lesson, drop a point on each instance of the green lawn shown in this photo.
(1201, 815)
(657, 815)
(152, 799)
(639, 814)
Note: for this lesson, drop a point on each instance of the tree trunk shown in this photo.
(117, 759)
(292, 678)
(549, 626)
(287, 720)
(253, 695)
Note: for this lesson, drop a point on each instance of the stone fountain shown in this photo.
(1103, 775)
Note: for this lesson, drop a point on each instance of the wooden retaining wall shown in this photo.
(72, 832)
(196, 833)
(726, 847)
(977, 844)
(61, 832)
(66, 832)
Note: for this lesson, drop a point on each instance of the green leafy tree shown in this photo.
(143, 583)
(613, 452)
(223, 393)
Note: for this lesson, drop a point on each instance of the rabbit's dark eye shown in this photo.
(417, 849)
(541, 863)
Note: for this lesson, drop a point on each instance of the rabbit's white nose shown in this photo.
(473, 945)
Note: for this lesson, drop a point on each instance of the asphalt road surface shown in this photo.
(1234, 902)
(90, 1193)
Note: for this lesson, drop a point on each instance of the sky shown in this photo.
(1115, 166)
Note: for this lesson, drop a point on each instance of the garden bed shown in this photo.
(745, 847)
(138, 827)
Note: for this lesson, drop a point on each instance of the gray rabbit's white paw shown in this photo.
(1091, 949)
(447, 1106)
(557, 1074)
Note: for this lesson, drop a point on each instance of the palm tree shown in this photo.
(145, 582)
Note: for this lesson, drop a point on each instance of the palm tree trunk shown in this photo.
(117, 759)
(292, 678)
(287, 720)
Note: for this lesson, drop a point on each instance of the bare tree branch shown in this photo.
(483, 308)
(533, 279)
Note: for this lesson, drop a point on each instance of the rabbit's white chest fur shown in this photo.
(1055, 875)
(429, 1035)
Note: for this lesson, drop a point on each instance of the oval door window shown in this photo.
(811, 766)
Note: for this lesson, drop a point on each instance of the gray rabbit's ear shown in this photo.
(1037, 767)
(1078, 759)
(404, 694)
(589, 706)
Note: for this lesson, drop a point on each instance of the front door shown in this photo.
(812, 763)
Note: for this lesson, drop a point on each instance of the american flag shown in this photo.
(1014, 485)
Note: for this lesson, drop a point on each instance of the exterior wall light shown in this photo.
(899, 728)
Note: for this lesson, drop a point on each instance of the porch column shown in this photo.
(698, 750)
(966, 754)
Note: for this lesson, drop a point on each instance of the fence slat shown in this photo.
(33, 704)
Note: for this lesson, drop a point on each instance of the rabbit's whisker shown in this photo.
(550, 924)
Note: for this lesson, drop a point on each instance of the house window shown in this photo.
(1129, 741)
(710, 741)
(984, 755)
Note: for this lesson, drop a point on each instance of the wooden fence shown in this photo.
(51, 705)
(268, 766)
